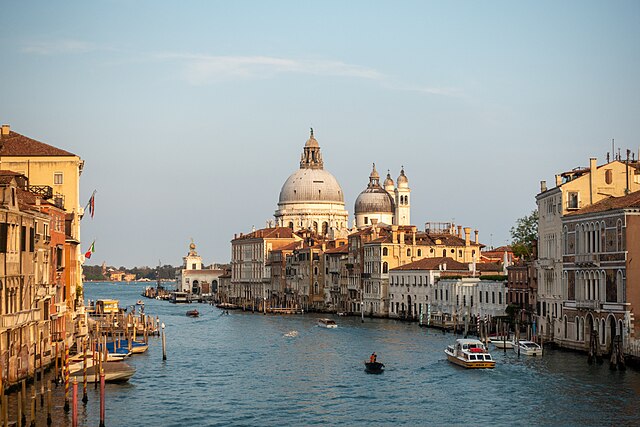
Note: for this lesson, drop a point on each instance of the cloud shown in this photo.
(59, 47)
(203, 69)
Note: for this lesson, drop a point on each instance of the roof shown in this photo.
(16, 145)
(268, 233)
(629, 201)
(434, 264)
(343, 249)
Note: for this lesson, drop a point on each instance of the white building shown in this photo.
(470, 297)
(389, 205)
(195, 279)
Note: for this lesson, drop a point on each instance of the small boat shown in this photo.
(178, 297)
(327, 323)
(291, 334)
(193, 313)
(373, 367)
(114, 372)
(137, 347)
(501, 342)
(469, 353)
(528, 348)
(342, 314)
(140, 302)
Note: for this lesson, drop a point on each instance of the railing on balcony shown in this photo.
(19, 318)
(43, 190)
(58, 200)
(588, 259)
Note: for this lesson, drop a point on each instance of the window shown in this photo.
(572, 200)
(366, 220)
(385, 267)
(608, 176)
(419, 252)
(57, 178)
(385, 251)
(408, 252)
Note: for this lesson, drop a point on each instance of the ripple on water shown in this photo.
(240, 370)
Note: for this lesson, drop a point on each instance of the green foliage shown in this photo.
(524, 235)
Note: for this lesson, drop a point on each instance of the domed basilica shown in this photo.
(311, 197)
(389, 205)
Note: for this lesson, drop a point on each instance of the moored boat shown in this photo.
(113, 372)
(501, 342)
(528, 348)
(469, 353)
(327, 323)
(373, 367)
(193, 313)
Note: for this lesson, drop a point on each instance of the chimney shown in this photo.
(401, 237)
(592, 180)
(394, 233)
(459, 231)
(476, 233)
(467, 236)
(414, 229)
(5, 130)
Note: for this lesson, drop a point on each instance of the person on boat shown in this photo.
(373, 357)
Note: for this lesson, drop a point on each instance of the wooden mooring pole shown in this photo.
(102, 398)
(164, 344)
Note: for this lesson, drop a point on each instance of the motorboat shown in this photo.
(327, 323)
(469, 353)
(373, 367)
(178, 297)
(136, 347)
(501, 342)
(291, 334)
(528, 348)
(193, 313)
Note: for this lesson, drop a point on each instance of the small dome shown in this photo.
(388, 182)
(403, 181)
(374, 174)
(311, 142)
(374, 200)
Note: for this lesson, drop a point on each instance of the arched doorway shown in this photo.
(611, 332)
(409, 314)
(588, 330)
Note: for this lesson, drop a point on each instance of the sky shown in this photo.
(191, 115)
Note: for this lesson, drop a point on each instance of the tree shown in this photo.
(525, 235)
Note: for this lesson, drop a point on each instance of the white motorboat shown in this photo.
(469, 353)
(327, 323)
(501, 342)
(528, 348)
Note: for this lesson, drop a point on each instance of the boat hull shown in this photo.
(114, 372)
(373, 367)
(502, 344)
(471, 364)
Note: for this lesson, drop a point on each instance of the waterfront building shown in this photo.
(459, 300)
(305, 275)
(522, 289)
(337, 276)
(194, 279)
(600, 276)
(27, 295)
(250, 277)
(55, 173)
(311, 198)
(394, 246)
(574, 190)
(280, 294)
(411, 286)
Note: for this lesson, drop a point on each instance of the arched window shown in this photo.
(325, 228)
(385, 251)
(419, 252)
(385, 267)
(408, 252)
(444, 253)
(619, 235)
(291, 225)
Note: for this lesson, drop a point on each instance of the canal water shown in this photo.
(243, 369)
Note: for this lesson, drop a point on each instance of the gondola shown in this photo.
(373, 367)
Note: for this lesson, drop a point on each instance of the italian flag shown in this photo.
(91, 250)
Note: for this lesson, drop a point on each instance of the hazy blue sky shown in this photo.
(191, 115)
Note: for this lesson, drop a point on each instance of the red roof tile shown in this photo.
(15, 144)
(434, 264)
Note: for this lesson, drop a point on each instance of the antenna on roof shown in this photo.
(613, 148)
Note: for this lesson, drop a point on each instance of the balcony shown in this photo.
(43, 190)
(19, 318)
(588, 304)
(588, 260)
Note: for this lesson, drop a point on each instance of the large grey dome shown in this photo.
(311, 185)
(374, 200)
